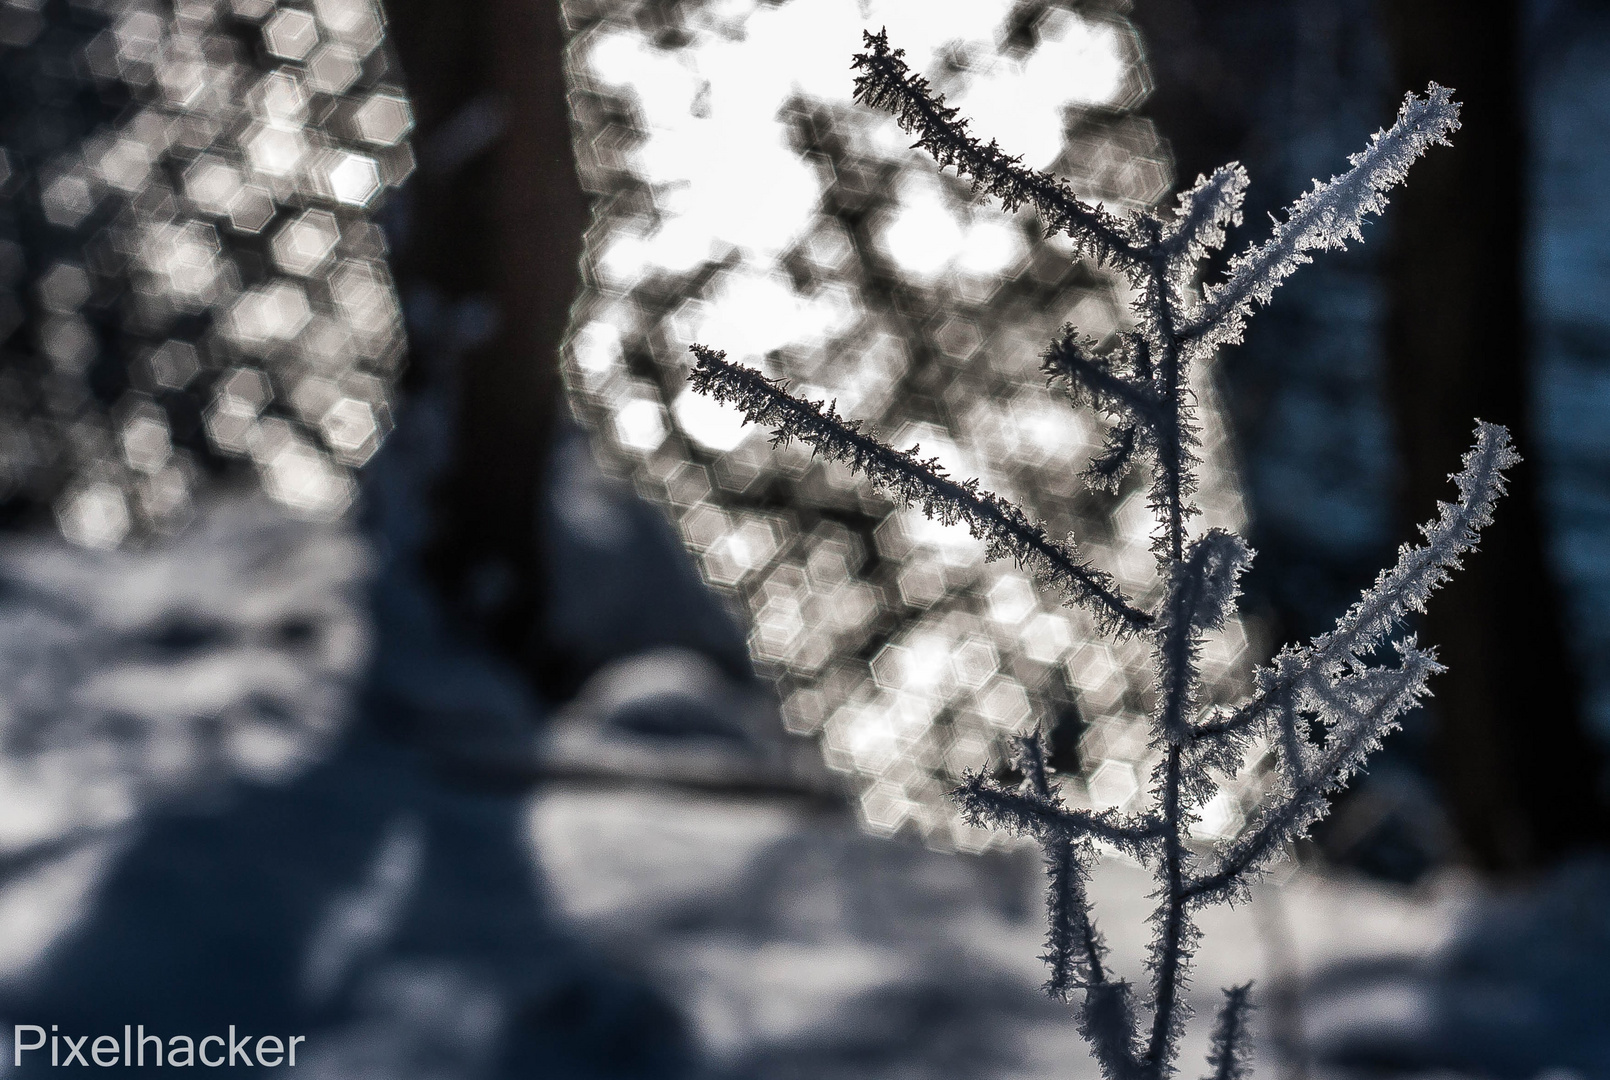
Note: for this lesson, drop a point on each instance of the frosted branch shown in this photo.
(1360, 710)
(1003, 526)
(1232, 1042)
(1336, 685)
(886, 82)
(1073, 948)
(1326, 217)
(985, 803)
(1397, 591)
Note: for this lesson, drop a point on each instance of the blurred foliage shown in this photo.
(190, 276)
(742, 199)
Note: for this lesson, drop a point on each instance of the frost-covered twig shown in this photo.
(1338, 682)
(886, 82)
(1403, 588)
(1004, 527)
(1326, 217)
(1231, 1044)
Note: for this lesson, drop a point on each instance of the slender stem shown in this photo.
(1098, 974)
(1169, 960)
(1171, 439)
(1172, 467)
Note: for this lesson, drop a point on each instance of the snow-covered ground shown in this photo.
(235, 794)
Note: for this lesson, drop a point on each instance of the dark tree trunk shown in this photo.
(1520, 773)
(496, 217)
(1206, 97)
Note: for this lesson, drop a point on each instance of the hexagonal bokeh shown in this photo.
(828, 254)
(145, 438)
(384, 119)
(291, 34)
(350, 430)
(211, 184)
(332, 68)
(201, 218)
(352, 179)
(354, 23)
(277, 150)
(304, 243)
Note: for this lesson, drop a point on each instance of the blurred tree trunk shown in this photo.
(1207, 94)
(1520, 772)
(495, 221)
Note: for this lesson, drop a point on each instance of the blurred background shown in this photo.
(392, 649)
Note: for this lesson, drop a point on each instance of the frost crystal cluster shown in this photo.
(1317, 710)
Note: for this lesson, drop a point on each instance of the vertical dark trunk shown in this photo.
(1519, 772)
(496, 217)
(1520, 775)
(1206, 94)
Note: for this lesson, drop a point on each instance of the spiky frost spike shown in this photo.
(886, 82)
(1232, 1042)
(1003, 526)
(1325, 218)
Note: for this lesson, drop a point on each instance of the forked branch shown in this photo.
(1334, 684)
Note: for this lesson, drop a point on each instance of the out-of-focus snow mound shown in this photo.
(254, 777)
(1522, 989)
(130, 677)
